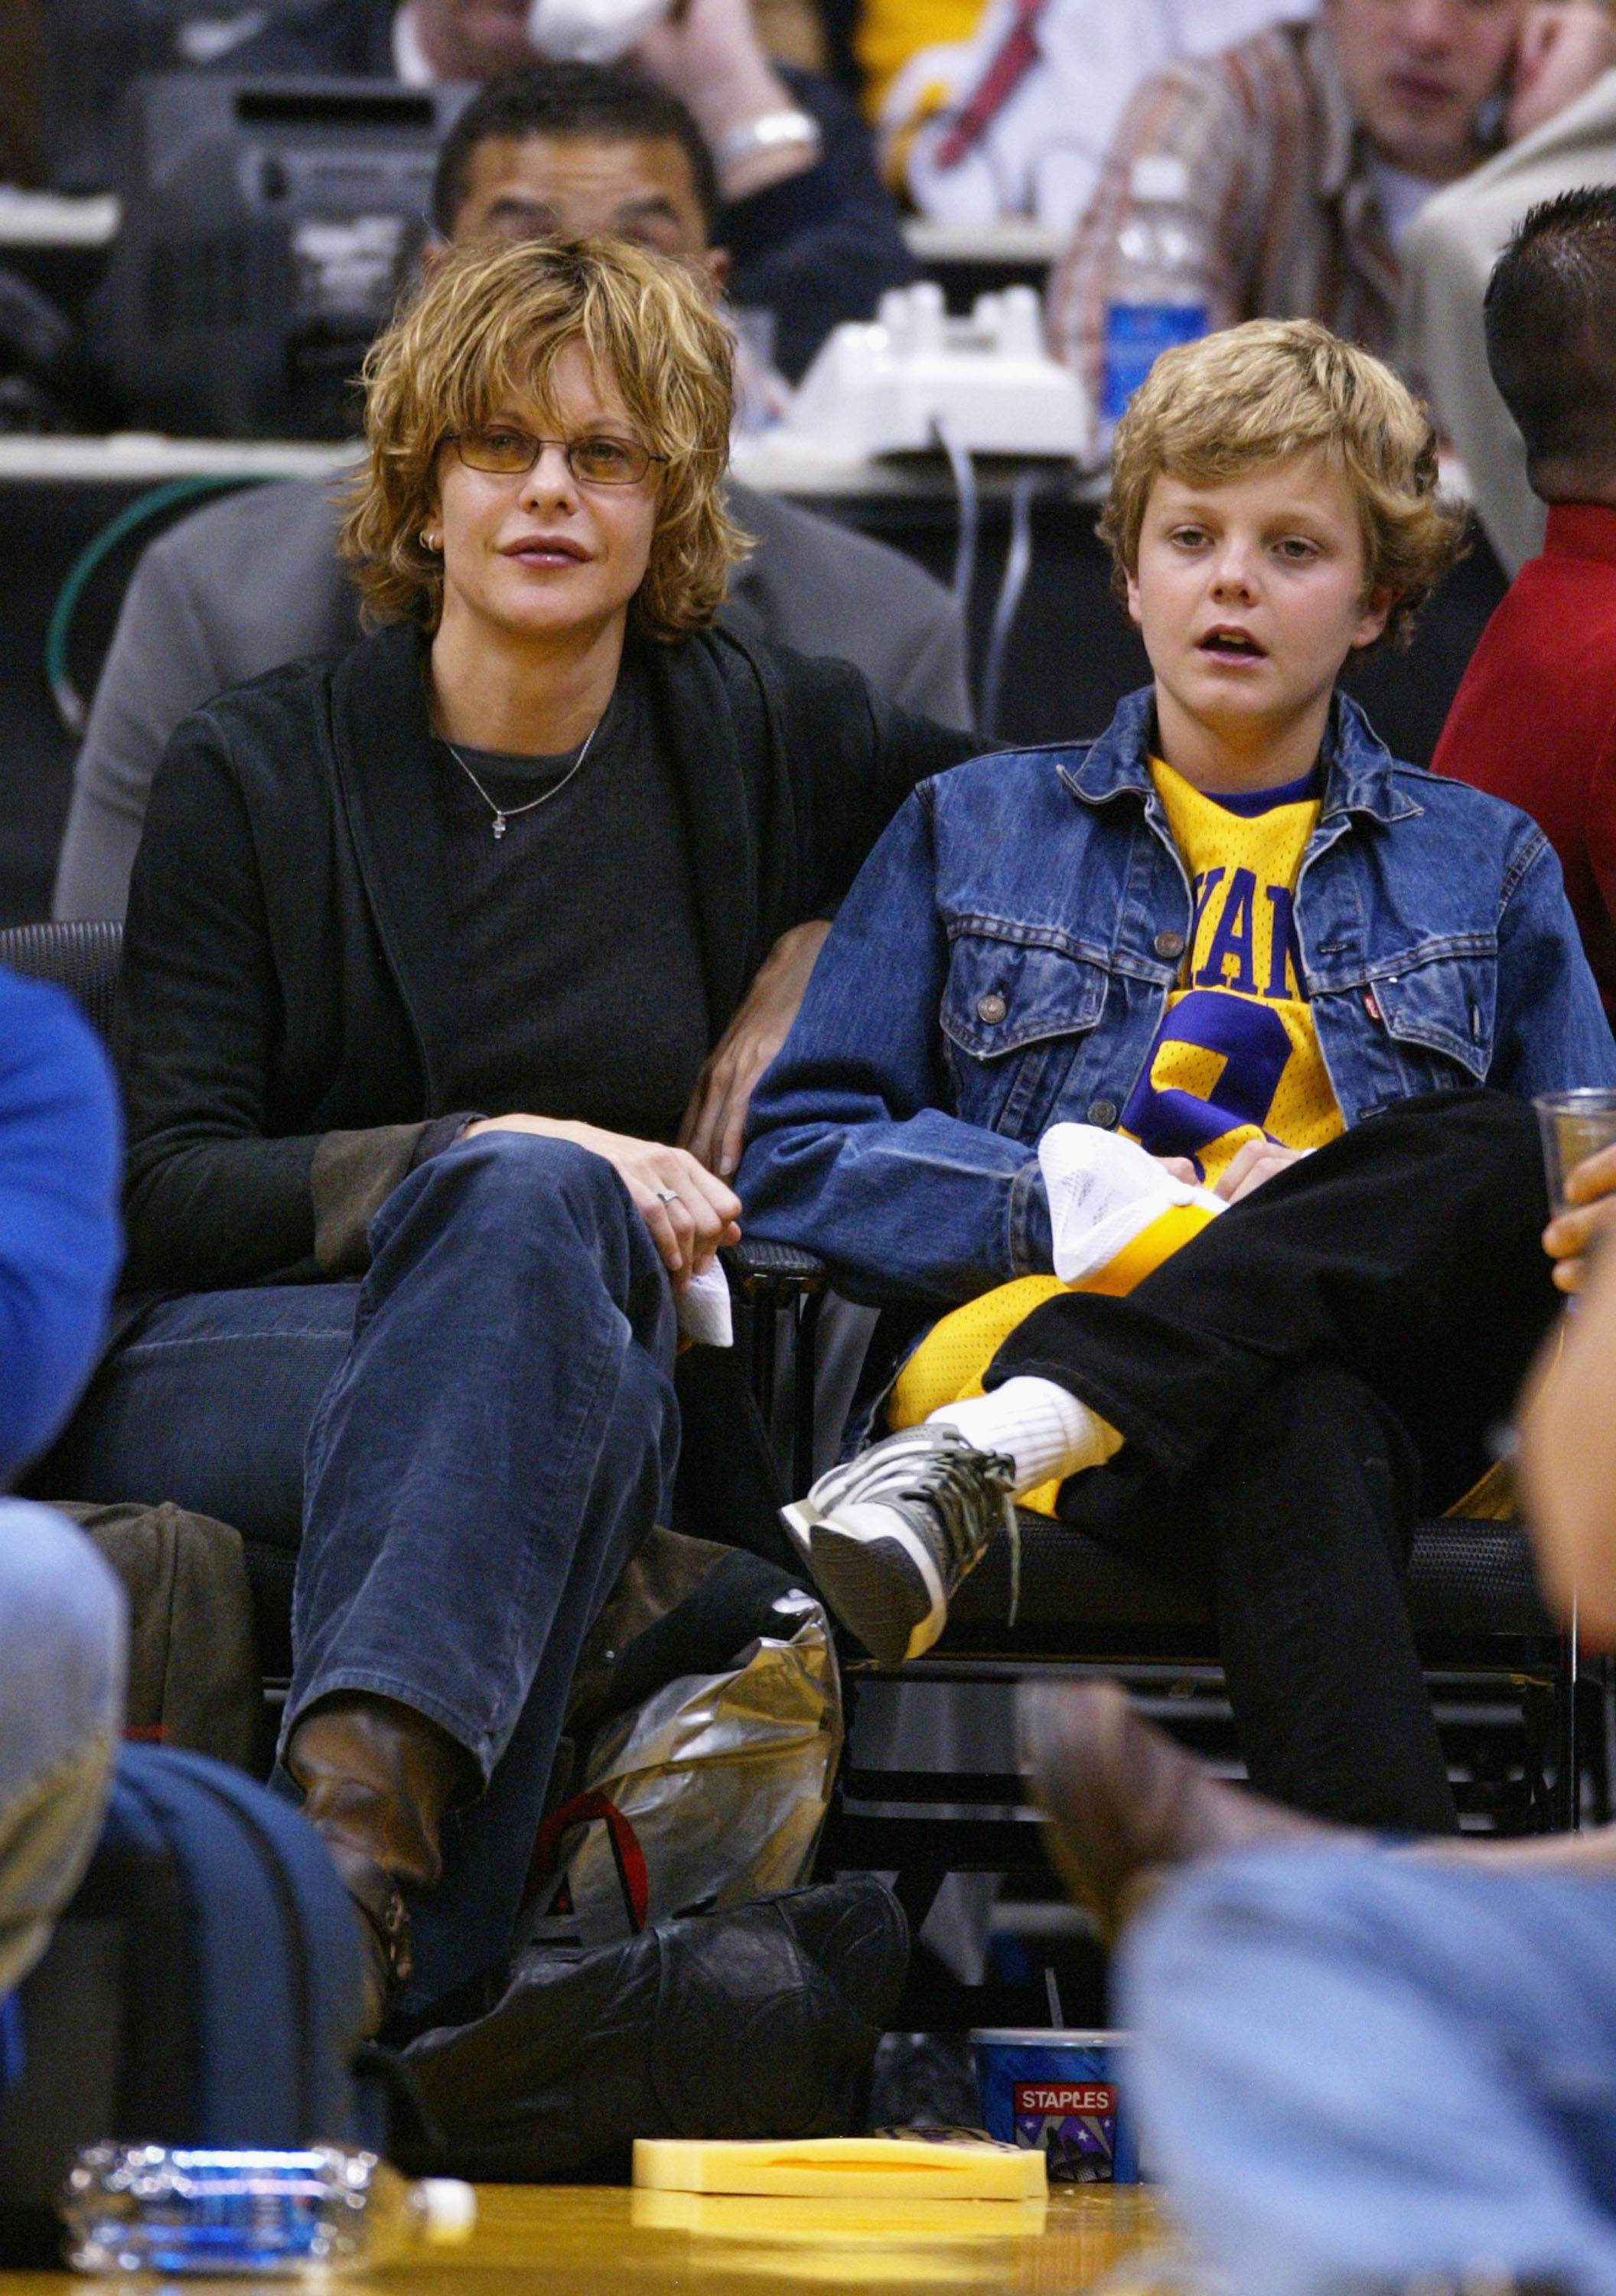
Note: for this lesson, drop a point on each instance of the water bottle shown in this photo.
(154, 2207)
(1160, 296)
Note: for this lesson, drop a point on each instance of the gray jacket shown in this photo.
(255, 581)
(1447, 258)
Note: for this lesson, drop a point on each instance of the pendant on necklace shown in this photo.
(499, 828)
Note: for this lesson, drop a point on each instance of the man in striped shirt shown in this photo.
(1308, 149)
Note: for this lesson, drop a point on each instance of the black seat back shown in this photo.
(80, 956)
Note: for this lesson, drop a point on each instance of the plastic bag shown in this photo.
(709, 1794)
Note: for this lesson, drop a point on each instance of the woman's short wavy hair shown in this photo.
(1231, 403)
(487, 325)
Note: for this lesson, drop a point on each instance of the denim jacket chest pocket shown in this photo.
(1012, 1011)
(1438, 1007)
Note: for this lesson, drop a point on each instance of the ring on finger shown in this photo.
(669, 1196)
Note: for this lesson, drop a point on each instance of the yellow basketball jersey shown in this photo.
(1236, 1058)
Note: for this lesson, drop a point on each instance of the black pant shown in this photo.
(1317, 1369)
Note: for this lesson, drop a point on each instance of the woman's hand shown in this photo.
(1564, 47)
(687, 1212)
(1248, 1168)
(1590, 1195)
(715, 1121)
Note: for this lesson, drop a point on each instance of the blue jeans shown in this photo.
(61, 1709)
(1355, 2065)
(476, 1439)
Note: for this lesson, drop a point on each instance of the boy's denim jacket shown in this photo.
(1004, 959)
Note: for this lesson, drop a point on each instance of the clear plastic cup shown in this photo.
(1574, 1126)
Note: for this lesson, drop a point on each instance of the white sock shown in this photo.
(1047, 1432)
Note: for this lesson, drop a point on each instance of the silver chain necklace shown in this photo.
(503, 814)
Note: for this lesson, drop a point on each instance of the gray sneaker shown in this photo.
(889, 1535)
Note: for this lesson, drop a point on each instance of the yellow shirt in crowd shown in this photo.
(1237, 1057)
(889, 32)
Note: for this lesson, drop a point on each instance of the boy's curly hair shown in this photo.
(1230, 403)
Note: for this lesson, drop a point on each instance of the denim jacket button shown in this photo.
(1102, 1112)
(1169, 944)
(992, 1008)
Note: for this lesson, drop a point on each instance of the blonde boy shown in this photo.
(1228, 931)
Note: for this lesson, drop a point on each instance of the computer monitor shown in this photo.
(268, 227)
(91, 50)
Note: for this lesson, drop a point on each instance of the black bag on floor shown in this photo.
(762, 2022)
(203, 1988)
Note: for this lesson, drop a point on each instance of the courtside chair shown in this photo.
(1528, 1740)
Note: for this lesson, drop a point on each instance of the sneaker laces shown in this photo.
(953, 1481)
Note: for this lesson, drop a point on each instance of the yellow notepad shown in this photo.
(836, 2222)
(878, 2168)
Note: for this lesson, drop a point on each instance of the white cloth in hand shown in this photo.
(703, 1309)
(1103, 1189)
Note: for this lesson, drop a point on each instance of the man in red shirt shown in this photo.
(1534, 719)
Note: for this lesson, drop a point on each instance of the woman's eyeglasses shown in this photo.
(506, 453)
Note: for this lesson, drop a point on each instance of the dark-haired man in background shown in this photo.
(255, 581)
(1534, 719)
(813, 232)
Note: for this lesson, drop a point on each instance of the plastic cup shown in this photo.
(1573, 1125)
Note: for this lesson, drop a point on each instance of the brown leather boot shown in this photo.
(1125, 1800)
(377, 1777)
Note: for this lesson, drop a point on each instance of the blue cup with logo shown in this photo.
(1065, 2095)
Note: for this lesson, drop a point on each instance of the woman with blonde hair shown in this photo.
(426, 951)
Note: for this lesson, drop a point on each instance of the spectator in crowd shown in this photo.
(1563, 113)
(1121, 935)
(426, 951)
(62, 1611)
(1309, 149)
(1012, 115)
(813, 234)
(1534, 719)
(1432, 2110)
(250, 583)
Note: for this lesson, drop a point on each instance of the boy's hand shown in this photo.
(1248, 1168)
(1590, 1195)
(1257, 1162)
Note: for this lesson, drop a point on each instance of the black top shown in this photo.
(574, 935)
(289, 1025)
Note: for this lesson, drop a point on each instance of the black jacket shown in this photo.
(816, 249)
(285, 1001)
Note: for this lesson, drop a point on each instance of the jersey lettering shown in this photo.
(1237, 1055)
(1234, 936)
(1206, 887)
(1283, 944)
